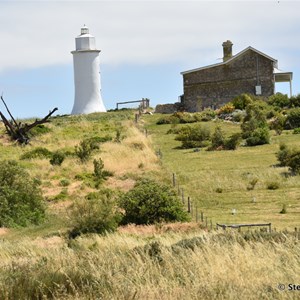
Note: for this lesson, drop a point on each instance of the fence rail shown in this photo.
(239, 226)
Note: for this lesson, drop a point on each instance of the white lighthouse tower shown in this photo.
(87, 75)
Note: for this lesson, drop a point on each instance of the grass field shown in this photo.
(217, 181)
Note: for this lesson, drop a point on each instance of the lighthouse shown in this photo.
(86, 75)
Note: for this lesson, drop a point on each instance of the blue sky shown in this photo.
(144, 46)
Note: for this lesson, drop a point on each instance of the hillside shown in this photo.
(162, 261)
(218, 181)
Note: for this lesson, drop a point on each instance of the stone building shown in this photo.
(250, 71)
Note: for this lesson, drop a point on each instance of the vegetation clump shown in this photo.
(219, 142)
(97, 213)
(288, 157)
(21, 201)
(85, 149)
(194, 136)
(255, 129)
(38, 152)
(150, 202)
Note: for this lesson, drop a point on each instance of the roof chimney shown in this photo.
(227, 50)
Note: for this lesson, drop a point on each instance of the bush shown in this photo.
(293, 119)
(85, 148)
(295, 101)
(226, 109)
(100, 174)
(283, 155)
(296, 130)
(233, 141)
(279, 100)
(259, 136)
(150, 202)
(39, 152)
(178, 117)
(289, 158)
(277, 123)
(254, 127)
(95, 214)
(57, 158)
(194, 136)
(242, 101)
(272, 185)
(205, 116)
(217, 139)
(21, 201)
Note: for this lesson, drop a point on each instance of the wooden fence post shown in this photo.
(202, 217)
(182, 195)
(196, 214)
(189, 205)
(174, 180)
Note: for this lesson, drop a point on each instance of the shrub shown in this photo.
(85, 148)
(283, 155)
(100, 173)
(150, 202)
(205, 116)
(39, 152)
(95, 214)
(233, 141)
(177, 117)
(254, 127)
(295, 101)
(194, 136)
(294, 162)
(296, 130)
(21, 201)
(272, 185)
(293, 119)
(64, 182)
(259, 136)
(226, 109)
(242, 101)
(277, 123)
(279, 100)
(289, 158)
(217, 139)
(57, 158)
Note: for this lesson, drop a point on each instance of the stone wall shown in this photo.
(169, 108)
(215, 86)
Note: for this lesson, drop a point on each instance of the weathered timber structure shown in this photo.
(250, 71)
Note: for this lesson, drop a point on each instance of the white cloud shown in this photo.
(35, 34)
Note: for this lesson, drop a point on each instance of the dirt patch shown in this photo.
(123, 185)
(156, 229)
(3, 231)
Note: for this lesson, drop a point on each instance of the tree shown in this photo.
(21, 201)
(19, 131)
(150, 202)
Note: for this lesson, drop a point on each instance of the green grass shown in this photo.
(201, 174)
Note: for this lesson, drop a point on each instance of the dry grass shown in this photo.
(143, 266)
